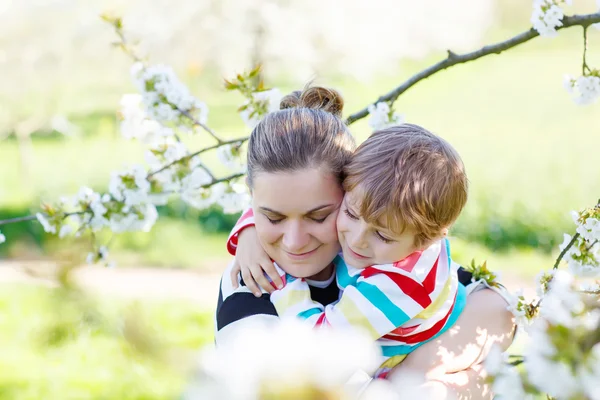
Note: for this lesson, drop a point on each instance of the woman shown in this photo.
(295, 162)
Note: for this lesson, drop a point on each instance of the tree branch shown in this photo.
(225, 179)
(33, 218)
(18, 219)
(182, 159)
(454, 59)
(200, 124)
(562, 253)
(584, 65)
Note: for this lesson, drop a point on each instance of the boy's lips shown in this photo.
(356, 255)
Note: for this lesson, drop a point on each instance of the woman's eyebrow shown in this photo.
(267, 209)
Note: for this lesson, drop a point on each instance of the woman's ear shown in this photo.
(444, 232)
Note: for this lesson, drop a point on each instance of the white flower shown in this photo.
(229, 155)
(233, 201)
(561, 301)
(590, 287)
(496, 360)
(139, 218)
(544, 280)
(65, 230)
(585, 89)
(589, 375)
(546, 17)
(569, 83)
(516, 303)
(198, 198)
(48, 227)
(196, 179)
(590, 230)
(380, 116)
(175, 151)
(136, 123)
(91, 258)
(508, 385)
(317, 358)
(131, 186)
(269, 98)
(2, 238)
(164, 96)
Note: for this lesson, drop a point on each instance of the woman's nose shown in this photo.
(295, 238)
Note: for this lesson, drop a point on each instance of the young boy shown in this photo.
(404, 188)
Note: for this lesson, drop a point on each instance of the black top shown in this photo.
(236, 305)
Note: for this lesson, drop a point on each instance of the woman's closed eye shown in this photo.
(319, 219)
(274, 220)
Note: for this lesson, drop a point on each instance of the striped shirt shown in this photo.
(401, 305)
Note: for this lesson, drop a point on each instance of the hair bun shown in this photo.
(315, 97)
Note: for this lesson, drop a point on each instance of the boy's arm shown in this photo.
(246, 220)
(251, 261)
(379, 303)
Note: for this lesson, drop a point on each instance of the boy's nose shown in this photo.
(359, 241)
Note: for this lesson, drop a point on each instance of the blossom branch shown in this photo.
(18, 219)
(584, 65)
(32, 218)
(564, 251)
(224, 179)
(453, 59)
(200, 124)
(204, 150)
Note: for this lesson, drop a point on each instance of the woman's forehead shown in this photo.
(296, 191)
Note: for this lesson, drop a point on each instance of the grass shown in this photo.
(61, 345)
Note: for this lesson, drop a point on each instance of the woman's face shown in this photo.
(295, 215)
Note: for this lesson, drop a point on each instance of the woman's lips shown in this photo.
(301, 256)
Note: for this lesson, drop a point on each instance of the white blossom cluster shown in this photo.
(136, 124)
(547, 16)
(583, 258)
(237, 369)
(524, 310)
(164, 96)
(261, 103)
(382, 116)
(560, 359)
(230, 156)
(585, 89)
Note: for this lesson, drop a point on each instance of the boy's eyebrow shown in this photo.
(309, 212)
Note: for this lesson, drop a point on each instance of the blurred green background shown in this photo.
(531, 156)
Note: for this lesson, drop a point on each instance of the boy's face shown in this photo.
(365, 244)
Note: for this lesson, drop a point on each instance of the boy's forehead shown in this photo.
(385, 221)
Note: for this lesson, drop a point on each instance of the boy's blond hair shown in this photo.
(407, 177)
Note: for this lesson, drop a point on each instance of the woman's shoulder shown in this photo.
(239, 304)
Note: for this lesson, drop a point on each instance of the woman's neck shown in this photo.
(323, 275)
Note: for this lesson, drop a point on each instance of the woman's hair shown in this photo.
(307, 132)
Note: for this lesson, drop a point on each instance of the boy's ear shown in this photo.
(444, 232)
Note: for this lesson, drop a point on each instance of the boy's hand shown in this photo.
(253, 262)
